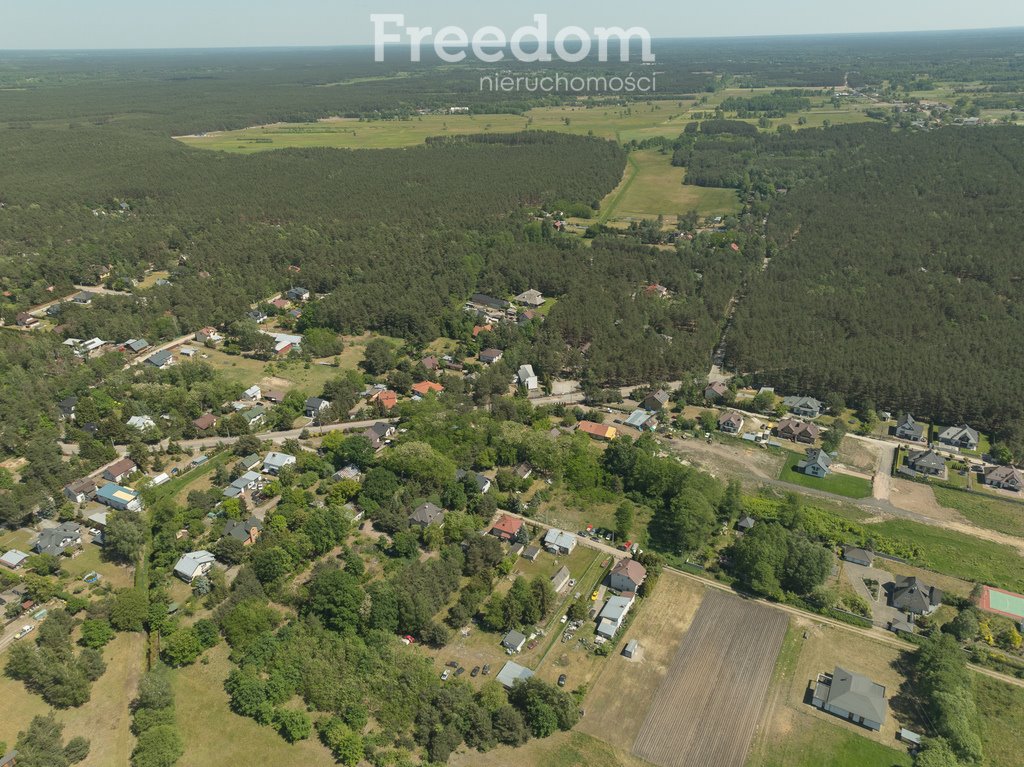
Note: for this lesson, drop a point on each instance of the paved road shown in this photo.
(278, 437)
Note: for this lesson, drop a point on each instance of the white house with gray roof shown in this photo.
(852, 697)
(808, 407)
(613, 614)
(193, 565)
(963, 437)
(559, 541)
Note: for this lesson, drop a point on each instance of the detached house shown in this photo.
(298, 294)
(559, 541)
(530, 297)
(808, 407)
(81, 490)
(527, 378)
(852, 697)
(209, 334)
(246, 531)
(962, 437)
(730, 422)
(274, 462)
(797, 431)
(117, 497)
(911, 595)
(1005, 477)
(119, 471)
(427, 514)
(194, 565)
(315, 406)
(627, 576)
(910, 430)
(715, 391)
(379, 432)
(613, 614)
(927, 462)
(656, 401)
(205, 421)
(597, 430)
(817, 464)
(55, 540)
(490, 356)
(161, 360)
(506, 528)
(423, 388)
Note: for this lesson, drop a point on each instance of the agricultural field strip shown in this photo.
(707, 708)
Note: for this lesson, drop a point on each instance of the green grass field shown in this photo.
(840, 484)
(961, 556)
(991, 512)
(828, 745)
(1002, 720)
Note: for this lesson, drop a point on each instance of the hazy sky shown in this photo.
(224, 23)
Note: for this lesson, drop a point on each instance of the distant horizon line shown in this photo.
(369, 45)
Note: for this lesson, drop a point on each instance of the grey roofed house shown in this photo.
(315, 406)
(194, 564)
(240, 485)
(559, 541)
(13, 559)
(962, 436)
(927, 462)
(298, 294)
(275, 461)
(511, 673)
(851, 696)
(1006, 477)
(55, 540)
(523, 470)
(67, 407)
(817, 464)
(490, 356)
(514, 641)
(161, 359)
(910, 595)
(350, 472)
(745, 524)
(808, 407)
(246, 531)
(642, 419)
(909, 429)
(493, 303)
(85, 297)
(257, 316)
(378, 432)
(615, 608)
(656, 401)
(858, 555)
(427, 514)
(136, 345)
(250, 462)
(560, 579)
(483, 484)
(530, 297)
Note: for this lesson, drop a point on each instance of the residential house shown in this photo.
(513, 641)
(284, 342)
(84, 298)
(247, 531)
(315, 406)
(730, 422)
(527, 378)
(274, 462)
(257, 315)
(119, 471)
(141, 422)
(1004, 477)
(205, 421)
(56, 540)
(911, 595)
(530, 297)
(13, 559)
(350, 473)
(627, 575)
(489, 306)
(506, 528)
(962, 437)
(597, 430)
(98, 520)
(611, 617)
(67, 408)
(908, 429)
(490, 356)
(253, 394)
(483, 484)
(187, 352)
(818, 463)
(249, 463)
(298, 294)
(644, 420)
(247, 481)
(656, 401)
(378, 433)
(927, 462)
(715, 391)
(511, 673)
(746, 524)
(560, 579)
(478, 329)
(858, 556)
(559, 541)
(161, 360)
(118, 497)
(427, 514)
(852, 697)
(423, 388)
(430, 363)
(386, 398)
(276, 396)
(254, 417)
(26, 320)
(81, 490)
(193, 565)
(657, 291)
(136, 345)
(209, 334)
(808, 407)
(797, 431)
(523, 471)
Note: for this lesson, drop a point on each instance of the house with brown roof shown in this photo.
(715, 390)
(597, 430)
(205, 421)
(490, 356)
(506, 528)
(430, 363)
(627, 575)
(797, 431)
(730, 422)
(275, 396)
(119, 470)
(1004, 477)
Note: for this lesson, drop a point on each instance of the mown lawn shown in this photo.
(1002, 720)
(962, 556)
(823, 744)
(993, 513)
(840, 484)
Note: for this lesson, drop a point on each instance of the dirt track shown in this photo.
(706, 710)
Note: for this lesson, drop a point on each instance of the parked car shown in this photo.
(445, 674)
(561, 681)
(452, 664)
(486, 669)
(475, 671)
(593, 597)
(460, 671)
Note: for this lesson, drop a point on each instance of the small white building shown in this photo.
(274, 462)
(194, 565)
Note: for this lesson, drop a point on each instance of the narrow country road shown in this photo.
(278, 437)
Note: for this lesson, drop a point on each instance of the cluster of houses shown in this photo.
(645, 418)
(108, 488)
(252, 481)
(521, 309)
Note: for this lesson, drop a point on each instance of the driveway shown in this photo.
(881, 612)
